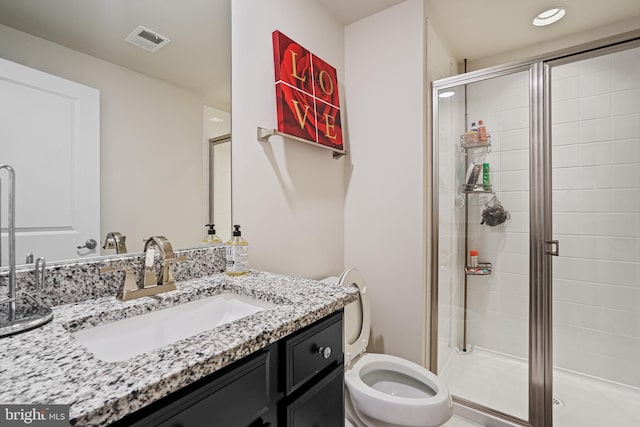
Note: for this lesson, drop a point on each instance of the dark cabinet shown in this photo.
(321, 406)
(312, 350)
(233, 397)
(297, 381)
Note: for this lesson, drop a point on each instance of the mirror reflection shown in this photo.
(109, 135)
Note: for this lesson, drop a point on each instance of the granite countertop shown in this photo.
(49, 366)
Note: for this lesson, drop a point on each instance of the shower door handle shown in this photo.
(554, 247)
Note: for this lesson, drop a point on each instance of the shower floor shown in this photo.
(500, 382)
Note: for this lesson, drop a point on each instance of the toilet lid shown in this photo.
(357, 317)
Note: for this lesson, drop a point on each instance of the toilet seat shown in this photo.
(356, 313)
(424, 407)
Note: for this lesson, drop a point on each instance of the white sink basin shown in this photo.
(121, 340)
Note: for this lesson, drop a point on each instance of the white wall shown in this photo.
(386, 195)
(151, 142)
(294, 201)
(287, 196)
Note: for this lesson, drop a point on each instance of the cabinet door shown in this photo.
(235, 398)
(321, 406)
(313, 350)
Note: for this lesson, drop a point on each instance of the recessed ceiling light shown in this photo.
(549, 16)
(447, 94)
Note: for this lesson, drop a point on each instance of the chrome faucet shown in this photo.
(151, 284)
(166, 257)
(117, 241)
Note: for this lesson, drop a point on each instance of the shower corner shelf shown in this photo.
(477, 188)
(483, 269)
(467, 143)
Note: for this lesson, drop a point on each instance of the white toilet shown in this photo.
(383, 390)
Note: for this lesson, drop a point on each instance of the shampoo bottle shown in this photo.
(237, 254)
(211, 236)
(482, 132)
(471, 136)
(473, 258)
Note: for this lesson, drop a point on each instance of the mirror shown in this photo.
(157, 113)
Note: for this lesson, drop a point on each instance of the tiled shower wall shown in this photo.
(596, 204)
(498, 305)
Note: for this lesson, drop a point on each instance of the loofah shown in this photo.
(494, 213)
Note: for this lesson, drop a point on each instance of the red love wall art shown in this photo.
(307, 98)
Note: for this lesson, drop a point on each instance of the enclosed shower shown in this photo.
(536, 317)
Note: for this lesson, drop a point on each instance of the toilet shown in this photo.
(384, 390)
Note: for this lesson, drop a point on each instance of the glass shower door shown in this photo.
(483, 308)
(595, 134)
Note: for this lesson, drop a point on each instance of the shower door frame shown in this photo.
(540, 219)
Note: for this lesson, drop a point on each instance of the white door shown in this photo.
(50, 134)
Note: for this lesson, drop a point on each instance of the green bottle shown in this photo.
(485, 177)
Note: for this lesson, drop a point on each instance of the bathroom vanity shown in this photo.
(279, 366)
(296, 381)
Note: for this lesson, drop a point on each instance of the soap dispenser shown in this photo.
(211, 237)
(237, 254)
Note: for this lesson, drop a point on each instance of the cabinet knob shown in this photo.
(325, 352)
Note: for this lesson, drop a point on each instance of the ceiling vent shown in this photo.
(147, 39)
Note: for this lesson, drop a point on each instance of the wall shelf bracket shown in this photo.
(265, 134)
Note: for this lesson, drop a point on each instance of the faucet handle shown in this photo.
(115, 240)
(129, 276)
(109, 243)
(166, 278)
(149, 279)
